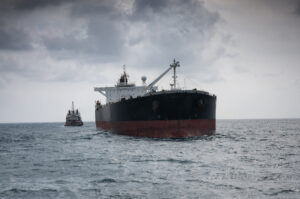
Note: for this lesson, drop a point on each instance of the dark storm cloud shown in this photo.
(92, 8)
(104, 39)
(155, 5)
(176, 28)
(108, 31)
(293, 6)
(168, 24)
(102, 44)
(13, 39)
(297, 9)
(20, 5)
(187, 14)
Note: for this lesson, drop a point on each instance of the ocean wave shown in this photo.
(105, 180)
(171, 160)
(283, 191)
(16, 192)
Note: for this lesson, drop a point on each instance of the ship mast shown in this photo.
(72, 106)
(124, 68)
(174, 65)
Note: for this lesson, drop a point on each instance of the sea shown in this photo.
(243, 159)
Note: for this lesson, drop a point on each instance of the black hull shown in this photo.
(160, 112)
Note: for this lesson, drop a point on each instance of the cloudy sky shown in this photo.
(53, 52)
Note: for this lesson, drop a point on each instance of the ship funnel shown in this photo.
(144, 78)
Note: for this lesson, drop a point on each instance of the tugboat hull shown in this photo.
(74, 123)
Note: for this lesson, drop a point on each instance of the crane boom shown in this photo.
(150, 86)
(174, 65)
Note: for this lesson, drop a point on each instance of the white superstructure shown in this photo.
(115, 94)
(124, 90)
(73, 114)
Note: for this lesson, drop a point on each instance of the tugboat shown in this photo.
(73, 117)
(142, 111)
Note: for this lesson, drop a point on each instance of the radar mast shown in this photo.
(72, 106)
(174, 65)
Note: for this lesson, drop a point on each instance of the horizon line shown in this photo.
(216, 120)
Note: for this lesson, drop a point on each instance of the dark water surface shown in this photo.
(244, 159)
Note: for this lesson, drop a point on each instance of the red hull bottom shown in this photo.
(160, 129)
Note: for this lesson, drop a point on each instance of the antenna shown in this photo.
(124, 77)
(174, 65)
(124, 68)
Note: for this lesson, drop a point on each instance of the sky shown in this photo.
(53, 52)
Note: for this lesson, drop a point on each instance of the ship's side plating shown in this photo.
(165, 114)
(141, 111)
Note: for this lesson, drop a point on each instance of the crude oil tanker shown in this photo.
(143, 111)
